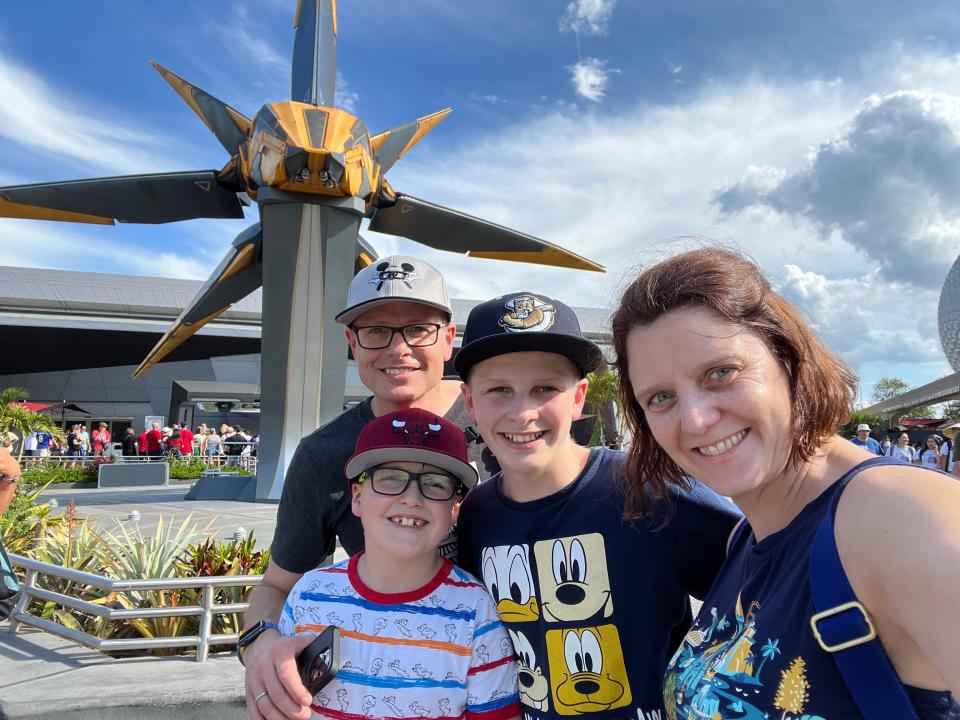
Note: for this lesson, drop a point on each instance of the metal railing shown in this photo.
(247, 462)
(206, 610)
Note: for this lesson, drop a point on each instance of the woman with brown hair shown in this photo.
(722, 380)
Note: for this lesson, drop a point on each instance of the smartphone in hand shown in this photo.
(319, 661)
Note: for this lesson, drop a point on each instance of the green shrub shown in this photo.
(44, 473)
(191, 467)
(26, 521)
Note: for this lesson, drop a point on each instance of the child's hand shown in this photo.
(273, 687)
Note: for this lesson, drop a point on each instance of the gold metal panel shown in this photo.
(240, 262)
(34, 212)
(557, 257)
(173, 339)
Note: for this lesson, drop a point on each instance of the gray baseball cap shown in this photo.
(393, 278)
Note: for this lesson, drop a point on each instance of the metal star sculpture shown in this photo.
(315, 173)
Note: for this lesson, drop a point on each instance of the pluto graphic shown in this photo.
(587, 672)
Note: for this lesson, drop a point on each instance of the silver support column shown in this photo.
(303, 351)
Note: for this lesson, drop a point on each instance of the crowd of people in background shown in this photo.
(228, 445)
(934, 451)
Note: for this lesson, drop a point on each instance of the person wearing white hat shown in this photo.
(946, 447)
(399, 325)
(863, 439)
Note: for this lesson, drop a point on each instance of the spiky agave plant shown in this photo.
(131, 555)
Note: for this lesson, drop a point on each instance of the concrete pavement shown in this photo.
(43, 676)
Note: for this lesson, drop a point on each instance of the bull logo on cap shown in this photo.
(527, 313)
(385, 271)
(416, 432)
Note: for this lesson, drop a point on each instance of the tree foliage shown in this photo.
(22, 419)
(886, 388)
(793, 691)
(602, 395)
(878, 425)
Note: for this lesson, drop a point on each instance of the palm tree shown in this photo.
(602, 394)
(769, 651)
(23, 419)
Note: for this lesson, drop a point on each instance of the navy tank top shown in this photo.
(751, 654)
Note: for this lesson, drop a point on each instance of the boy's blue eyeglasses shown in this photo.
(433, 485)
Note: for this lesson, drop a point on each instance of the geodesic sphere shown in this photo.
(948, 316)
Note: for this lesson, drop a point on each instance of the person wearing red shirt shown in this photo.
(101, 439)
(142, 443)
(153, 441)
(186, 441)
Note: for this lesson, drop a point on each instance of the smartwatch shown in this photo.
(248, 636)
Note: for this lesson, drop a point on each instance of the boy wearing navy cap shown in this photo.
(595, 604)
(419, 636)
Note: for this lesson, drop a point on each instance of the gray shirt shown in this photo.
(315, 502)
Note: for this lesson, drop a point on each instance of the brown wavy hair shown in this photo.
(822, 386)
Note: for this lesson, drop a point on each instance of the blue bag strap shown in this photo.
(843, 628)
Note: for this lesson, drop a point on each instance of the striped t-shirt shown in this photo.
(436, 652)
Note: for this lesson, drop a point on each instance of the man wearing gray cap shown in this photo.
(399, 324)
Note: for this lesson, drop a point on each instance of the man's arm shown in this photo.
(304, 537)
(270, 660)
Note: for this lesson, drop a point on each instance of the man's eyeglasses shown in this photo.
(377, 337)
(394, 481)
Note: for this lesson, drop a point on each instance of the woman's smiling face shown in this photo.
(715, 398)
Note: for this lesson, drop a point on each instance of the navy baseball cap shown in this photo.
(525, 322)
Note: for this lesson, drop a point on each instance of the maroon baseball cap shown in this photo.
(412, 435)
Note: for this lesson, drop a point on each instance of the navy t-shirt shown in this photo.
(594, 604)
(751, 653)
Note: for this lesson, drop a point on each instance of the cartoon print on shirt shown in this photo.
(451, 630)
(395, 666)
(534, 688)
(587, 672)
(391, 702)
(572, 577)
(402, 627)
(444, 705)
(506, 573)
(720, 673)
(369, 702)
(426, 631)
(357, 622)
(343, 699)
(419, 709)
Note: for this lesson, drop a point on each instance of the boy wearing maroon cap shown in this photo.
(419, 636)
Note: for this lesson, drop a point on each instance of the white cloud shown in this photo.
(44, 245)
(587, 17)
(590, 77)
(244, 43)
(49, 122)
(346, 97)
(889, 185)
(866, 318)
(487, 98)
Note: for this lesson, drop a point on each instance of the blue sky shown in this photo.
(818, 137)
